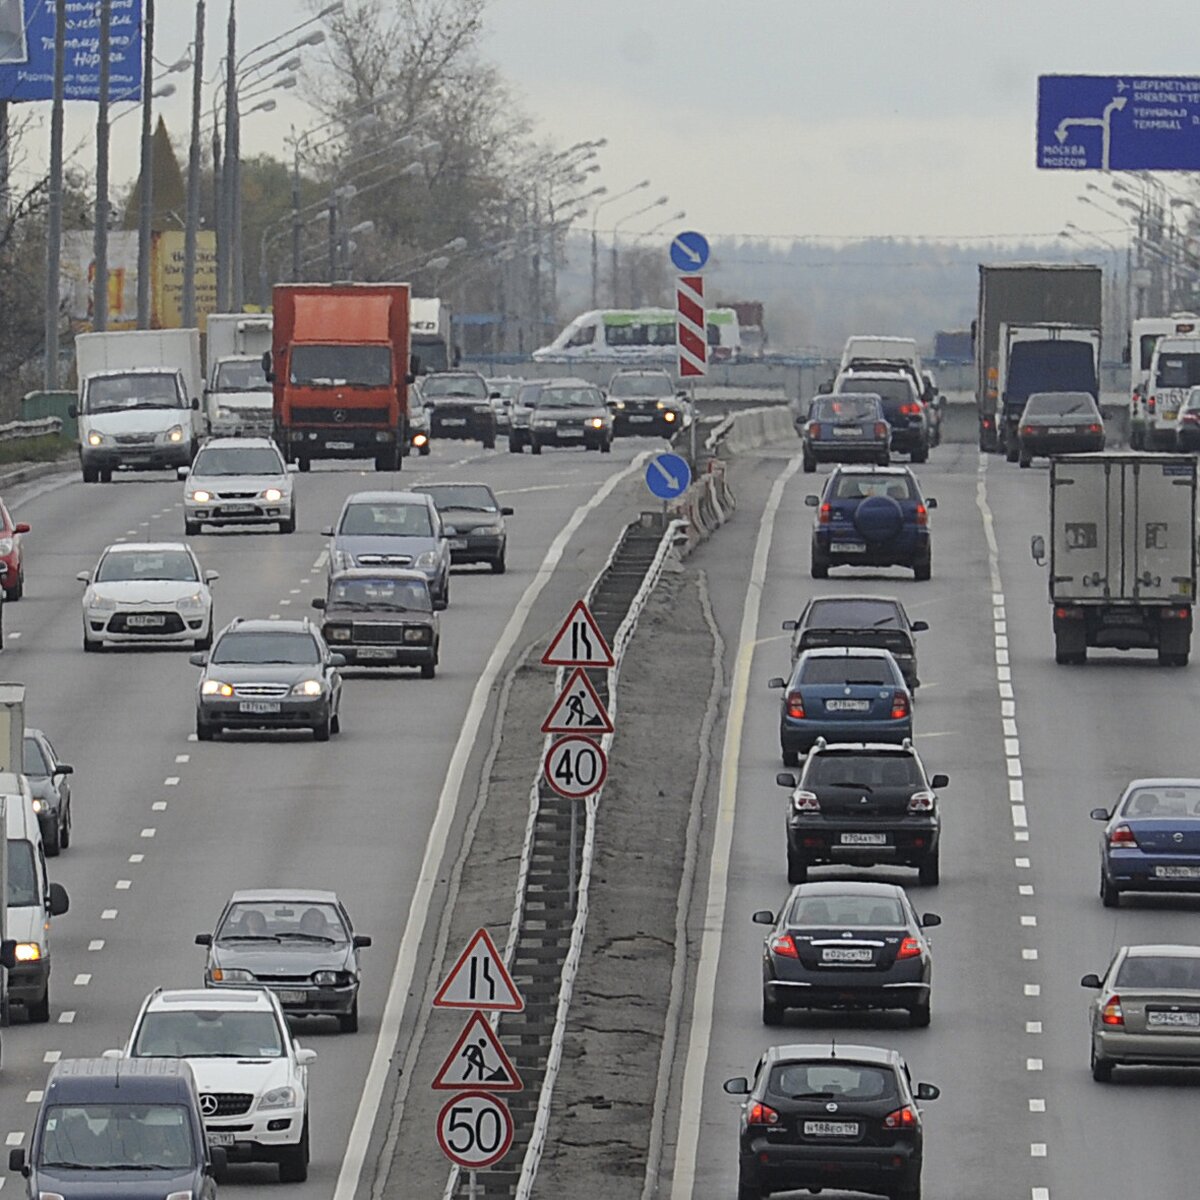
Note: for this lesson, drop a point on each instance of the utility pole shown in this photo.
(333, 236)
(54, 215)
(100, 233)
(297, 226)
(193, 180)
(225, 229)
(146, 199)
(4, 161)
(234, 151)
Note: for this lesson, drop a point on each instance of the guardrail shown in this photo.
(19, 430)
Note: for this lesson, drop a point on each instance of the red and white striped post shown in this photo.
(690, 333)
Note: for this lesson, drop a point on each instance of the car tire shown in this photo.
(288, 526)
(19, 590)
(91, 474)
(428, 670)
(499, 565)
(323, 729)
(772, 1012)
(303, 465)
(820, 564)
(919, 1016)
(348, 1022)
(335, 723)
(205, 642)
(923, 568)
(1102, 1068)
(293, 1160)
(1024, 461)
(606, 446)
(53, 844)
(809, 465)
(191, 529)
(39, 1013)
(748, 1187)
(920, 454)
(791, 758)
(91, 647)
(1011, 452)
(1172, 660)
(64, 836)
(908, 1193)
(884, 460)
(929, 870)
(489, 443)
(106, 474)
(205, 732)
(535, 447)
(425, 450)
(389, 460)
(1110, 894)
(514, 445)
(797, 868)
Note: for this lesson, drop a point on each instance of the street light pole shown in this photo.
(645, 183)
(100, 232)
(54, 216)
(224, 227)
(192, 225)
(146, 199)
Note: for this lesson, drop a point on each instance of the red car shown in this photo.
(13, 580)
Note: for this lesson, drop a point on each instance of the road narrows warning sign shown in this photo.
(479, 979)
(578, 709)
(477, 1060)
(579, 642)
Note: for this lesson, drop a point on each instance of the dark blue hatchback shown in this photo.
(846, 429)
(872, 517)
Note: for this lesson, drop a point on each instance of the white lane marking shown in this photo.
(1039, 1193)
(1020, 817)
(1024, 889)
(14, 1139)
(149, 833)
(283, 603)
(1029, 954)
(109, 914)
(1020, 835)
(1033, 1027)
(321, 560)
(1028, 920)
(67, 1017)
(159, 806)
(1037, 1106)
(1037, 1149)
(182, 758)
(1022, 863)
(123, 885)
(274, 617)
(120, 539)
(1033, 1064)
(439, 833)
(96, 944)
(137, 858)
(191, 737)
(171, 781)
(544, 487)
(14, 635)
(34, 1097)
(294, 592)
(82, 979)
(704, 990)
(51, 1056)
(1016, 791)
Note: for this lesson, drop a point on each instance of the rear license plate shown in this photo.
(236, 510)
(846, 954)
(339, 445)
(458, 543)
(145, 620)
(563, 434)
(847, 705)
(376, 652)
(1122, 616)
(849, 547)
(259, 706)
(1190, 1020)
(864, 839)
(453, 420)
(218, 1138)
(831, 1129)
(847, 431)
(1177, 872)
(641, 420)
(292, 997)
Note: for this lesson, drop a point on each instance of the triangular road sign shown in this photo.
(477, 1060)
(578, 709)
(479, 980)
(579, 643)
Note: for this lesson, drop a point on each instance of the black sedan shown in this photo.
(50, 785)
(473, 520)
(298, 944)
(1058, 423)
(820, 1116)
(850, 946)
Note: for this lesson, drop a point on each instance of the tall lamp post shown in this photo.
(637, 187)
(616, 226)
(54, 216)
(192, 221)
(100, 229)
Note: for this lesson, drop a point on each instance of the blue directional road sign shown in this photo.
(668, 476)
(1118, 123)
(689, 251)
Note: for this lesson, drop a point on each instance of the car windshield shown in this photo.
(507, 388)
(844, 408)
(237, 460)
(641, 385)
(1162, 802)
(828, 1080)
(240, 376)
(1059, 404)
(1178, 370)
(397, 595)
(208, 1033)
(873, 671)
(897, 390)
(454, 385)
(463, 497)
(386, 520)
(109, 1137)
(33, 760)
(22, 875)
(115, 393)
(861, 487)
(853, 614)
(569, 398)
(293, 649)
(125, 566)
(283, 920)
(868, 772)
(1160, 971)
(846, 910)
(527, 396)
(341, 366)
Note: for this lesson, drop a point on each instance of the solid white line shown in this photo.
(439, 833)
(704, 991)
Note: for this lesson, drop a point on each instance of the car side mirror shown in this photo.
(72, 411)
(211, 576)
(8, 953)
(776, 681)
(825, 389)
(939, 781)
(789, 625)
(931, 503)
(112, 1052)
(318, 602)
(84, 577)
(1090, 981)
(1099, 814)
(204, 939)
(495, 396)
(292, 468)
(737, 1087)
(16, 1160)
(764, 916)
(305, 1055)
(199, 659)
(506, 512)
(195, 405)
(181, 473)
(1037, 548)
(218, 1161)
(362, 941)
(930, 920)
(337, 660)
(63, 769)
(327, 531)
(21, 528)
(57, 901)
(919, 626)
(812, 501)
(267, 366)
(927, 1091)
(786, 779)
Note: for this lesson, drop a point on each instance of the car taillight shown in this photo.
(922, 515)
(1111, 1013)
(814, 430)
(806, 802)
(825, 514)
(1094, 428)
(881, 429)
(1122, 836)
(910, 409)
(902, 1118)
(900, 706)
(1151, 403)
(1027, 430)
(1068, 614)
(988, 422)
(783, 945)
(795, 706)
(909, 948)
(762, 1114)
(1175, 614)
(920, 802)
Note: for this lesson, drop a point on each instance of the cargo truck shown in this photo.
(238, 398)
(1024, 294)
(1122, 553)
(431, 333)
(340, 367)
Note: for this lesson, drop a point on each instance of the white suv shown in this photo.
(251, 1076)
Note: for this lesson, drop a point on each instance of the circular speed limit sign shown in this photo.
(575, 767)
(474, 1129)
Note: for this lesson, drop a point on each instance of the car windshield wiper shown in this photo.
(248, 937)
(883, 621)
(466, 508)
(308, 937)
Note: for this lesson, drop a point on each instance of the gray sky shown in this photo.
(810, 117)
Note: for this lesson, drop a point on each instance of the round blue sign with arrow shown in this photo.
(668, 476)
(689, 251)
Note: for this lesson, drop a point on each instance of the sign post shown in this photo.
(689, 254)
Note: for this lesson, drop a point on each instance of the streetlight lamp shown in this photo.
(637, 187)
(616, 226)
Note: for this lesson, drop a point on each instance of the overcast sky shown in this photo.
(833, 118)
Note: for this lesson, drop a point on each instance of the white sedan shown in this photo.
(238, 481)
(147, 592)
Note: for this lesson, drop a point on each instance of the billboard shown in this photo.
(167, 288)
(27, 50)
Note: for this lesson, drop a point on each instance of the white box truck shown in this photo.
(238, 398)
(1122, 553)
(139, 400)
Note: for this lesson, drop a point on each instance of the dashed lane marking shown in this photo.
(149, 833)
(137, 858)
(171, 781)
(83, 979)
(183, 758)
(34, 1097)
(109, 914)
(159, 806)
(15, 1138)
(51, 1056)
(67, 1017)
(123, 885)
(96, 944)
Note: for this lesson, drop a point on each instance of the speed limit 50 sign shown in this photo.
(575, 767)
(475, 1130)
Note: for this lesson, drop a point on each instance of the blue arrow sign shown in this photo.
(1118, 123)
(689, 251)
(668, 476)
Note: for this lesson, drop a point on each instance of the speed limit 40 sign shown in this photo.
(575, 767)
(475, 1130)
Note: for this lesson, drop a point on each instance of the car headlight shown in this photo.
(38, 805)
(309, 687)
(483, 408)
(326, 977)
(100, 603)
(416, 635)
(6, 545)
(620, 404)
(487, 530)
(233, 975)
(341, 559)
(200, 496)
(175, 433)
(595, 423)
(272, 494)
(281, 1097)
(28, 952)
(95, 439)
(338, 633)
(544, 423)
(193, 603)
(428, 559)
(668, 416)
(419, 439)
(214, 687)
(170, 1196)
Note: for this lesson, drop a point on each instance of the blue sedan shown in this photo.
(843, 694)
(1151, 839)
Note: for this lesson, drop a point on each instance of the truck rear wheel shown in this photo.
(389, 460)
(303, 464)
(1168, 659)
(91, 474)
(1011, 452)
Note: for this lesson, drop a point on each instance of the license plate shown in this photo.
(849, 547)
(292, 997)
(218, 1138)
(1061, 429)
(376, 652)
(848, 954)
(641, 420)
(847, 705)
(847, 431)
(339, 445)
(831, 1129)
(259, 706)
(563, 434)
(1190, 1020)
(458, 543)
(453, 420)
(145, 620)
(236, 510)
(1177, 872)
(864, 839)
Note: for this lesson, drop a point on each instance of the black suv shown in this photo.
(859, 621)
(460, 407)
(644, 401)
(862, 804)
(902, 406)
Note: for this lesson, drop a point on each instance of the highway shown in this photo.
(165, 828)
(1030, 747)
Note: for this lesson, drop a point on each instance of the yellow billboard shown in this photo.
(168, 267)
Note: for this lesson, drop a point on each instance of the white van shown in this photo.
(32, 900)
(1174, 371)
(638, 334)
(1144, 335)
(873, 348)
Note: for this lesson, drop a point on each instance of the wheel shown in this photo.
(288, 526)
(1167, 659)
(920, 454)
(19, 590)
(514, 445)
(929, 872)
(335, 723)
(428, 670)
(91, 647)
(204, 731)
(535, 447)
(489, 443)
(606, 446)
(797, 868)
(748, 1187)
(810, 464)
(923, 569)
(303, 465)
(205, 642)
(1024, 461)
(908, 1193)
(348, 1022)
(1102, 1068)
(820, 563)
(64, 834)
(499, 565)
(322, 729)
(389, 460)
(91, 474)
(425, 450)
(772, 1011)
(919, 1016)
(191, 528)
(293, 1161)
(53, 844)
(1110, 894)
(884, 460)
(1011, 452)
(39, 1013)
(791, 758)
